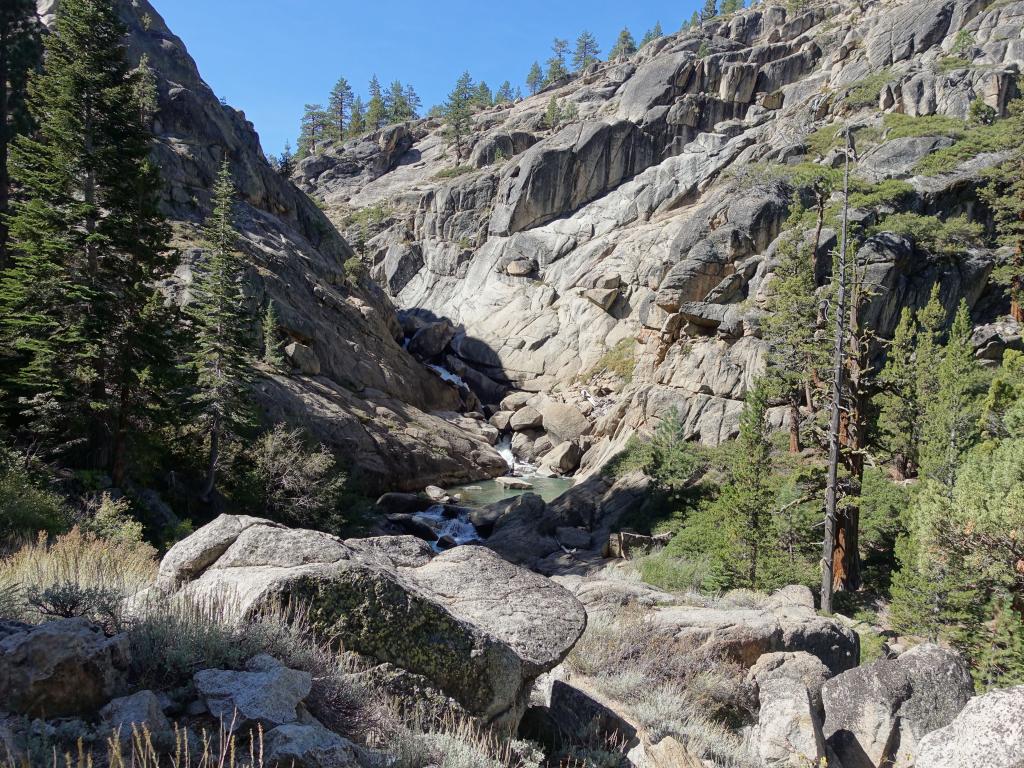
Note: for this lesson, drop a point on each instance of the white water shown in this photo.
(458, 529)
(447, 375)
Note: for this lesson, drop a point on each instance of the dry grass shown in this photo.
(119, 568)
(666, 687)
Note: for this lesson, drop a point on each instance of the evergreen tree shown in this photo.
(357, 118)
(1001, 649)
(272, 354)
(695, 20)
(587, 51)
(398, 109)
(652, 34)
(458, 113)
(709, 11)
(731, 6)
(535, 79)
(413, 103)
(556, 64)
(376, 108)
(221, 359)
(553, 114)
(505, 93)
(20, 51)
(898, 407)
(1005, 194)
(146, 91)
(795, 355)
(340, 105)
(950, 419)
(625, 45)
(314, 130)
(286, 162)
(77, 305)
(483, 98)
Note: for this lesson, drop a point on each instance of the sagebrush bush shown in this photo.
(76, 562)
(27, 506)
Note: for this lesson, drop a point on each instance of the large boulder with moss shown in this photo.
(477, 627)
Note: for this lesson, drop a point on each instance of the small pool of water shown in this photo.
(484, 492)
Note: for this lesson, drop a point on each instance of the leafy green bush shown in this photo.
(27, 506)
(355, 269)
(866, 91)
(998, 136)
(112, 519)
(890, 192)
(944, 237)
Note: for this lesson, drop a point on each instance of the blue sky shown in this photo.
(270, 57)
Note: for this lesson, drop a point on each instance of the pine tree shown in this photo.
(413, 102)
(709, 11)
(483, 98)
(795, 355)
(458, 113)
(398, 109)
(87, 241)
(376, 108)
(272, 354)
(695, 20)
(313, 132)
(505, 93)
(731, 6)
(652, 34)
(357, 118)
(950, 418)
(339, 105)
(624, 46)
(146, 91)
(221, 359)
(286, 162)
(587, 51)
(556, 64)
(898, 408)
(1005, 194)
(553, 114)
(535, 79)
(1001, 649)
(20, 52)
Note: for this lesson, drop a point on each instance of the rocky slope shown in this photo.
(638, 228)
(352, 384)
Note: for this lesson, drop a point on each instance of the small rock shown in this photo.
(521, 267)
(309, 746)
(603, 297)
(513, 483)
(134, 712)
(563, 459)
(515, 401)
(436, 494)
(501, 420)
(268, 697)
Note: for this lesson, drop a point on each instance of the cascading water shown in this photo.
(455, 529)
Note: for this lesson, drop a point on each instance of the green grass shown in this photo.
(454, 172)
(619, 361)
(370, 216)
(951, 63)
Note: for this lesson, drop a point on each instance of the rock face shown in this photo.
(354, 388)
(877, 714)
(266, 695)
(988, 732)
(788, 731)
(478, 628)
(636, 231)
(748, 634)
(61, 668)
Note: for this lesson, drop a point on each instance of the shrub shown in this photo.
(454, 172)
(75, 562)
(866, 91)
(293, 483)
(112, 519)
(943, 237)
(355, 269)
(890, 192)
(619, 361)
(899, 126)
(69, 600)
(977, 139)
(27, 506)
